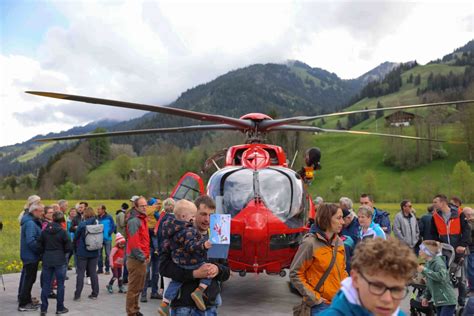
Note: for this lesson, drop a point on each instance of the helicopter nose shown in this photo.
(256, 227)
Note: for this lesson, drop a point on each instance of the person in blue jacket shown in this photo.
(378, 280)
(109, 227)
(29, 254)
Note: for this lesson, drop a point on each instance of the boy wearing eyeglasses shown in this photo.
(378, 280)
(438, 284)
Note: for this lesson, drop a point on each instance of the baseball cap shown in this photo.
(345, 212)
(134, 198)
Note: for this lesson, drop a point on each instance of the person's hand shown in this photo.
(424, 302)
(207, 244)
(213, 271)
(460, 249)
(420, 268)
(202, 272)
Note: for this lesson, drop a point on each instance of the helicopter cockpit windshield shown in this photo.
(279, 188)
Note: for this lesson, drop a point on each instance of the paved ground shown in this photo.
(250, 295)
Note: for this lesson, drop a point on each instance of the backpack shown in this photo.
(94, 236)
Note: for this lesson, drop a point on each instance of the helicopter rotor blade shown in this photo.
(242, 124)
(270, 124)
(324, 130)
(145, 131)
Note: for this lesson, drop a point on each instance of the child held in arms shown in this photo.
(188, 250)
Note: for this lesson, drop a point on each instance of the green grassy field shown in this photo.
(10, 236)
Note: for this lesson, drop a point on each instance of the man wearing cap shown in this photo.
(405, 225)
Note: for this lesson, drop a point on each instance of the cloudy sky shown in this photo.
(152, 51)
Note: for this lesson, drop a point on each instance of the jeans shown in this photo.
(22, 280)
(90, 265)
(470, 271)
(448, 310)
(31, 269)
(173, 288)
(315, 310)
(152, 275)
(107, 246)
(47, 277)
(192, 311)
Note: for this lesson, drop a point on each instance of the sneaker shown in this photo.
(198, 299)
(100, 272)
(143, 299)
(92, 297)
(164, 310)
(52, 295)
(88, 281)
(107, 273)
(77, 298)
(110, 289)
(122, 289)
(43, 314)
(156, 296)
(28, 308)
(62, 311)
(35, 301)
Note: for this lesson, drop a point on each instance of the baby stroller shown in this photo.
(419, 286)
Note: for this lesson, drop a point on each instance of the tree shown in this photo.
(463, 179)
(11, 182)
(370, 183)
(337, 186)
(99, 147)
(379, 114)
(122, 166)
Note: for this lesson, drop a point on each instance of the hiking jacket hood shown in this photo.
(347, 303)
(54, 244)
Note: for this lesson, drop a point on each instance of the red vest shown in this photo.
(452, 228)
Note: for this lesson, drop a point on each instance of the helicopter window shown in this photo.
(282, 193)
(188, 190)
(280, 190)
(273, 156)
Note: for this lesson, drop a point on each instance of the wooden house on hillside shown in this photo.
(400, 118)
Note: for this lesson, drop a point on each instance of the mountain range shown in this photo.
(280, 90)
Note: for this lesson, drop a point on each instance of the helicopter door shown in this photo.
(189, 187)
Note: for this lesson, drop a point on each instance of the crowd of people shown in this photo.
(348, 264)
(161, 245)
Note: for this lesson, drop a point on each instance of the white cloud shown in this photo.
(150, 52)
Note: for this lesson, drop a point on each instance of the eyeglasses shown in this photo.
(379, 289)
(142, 205)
